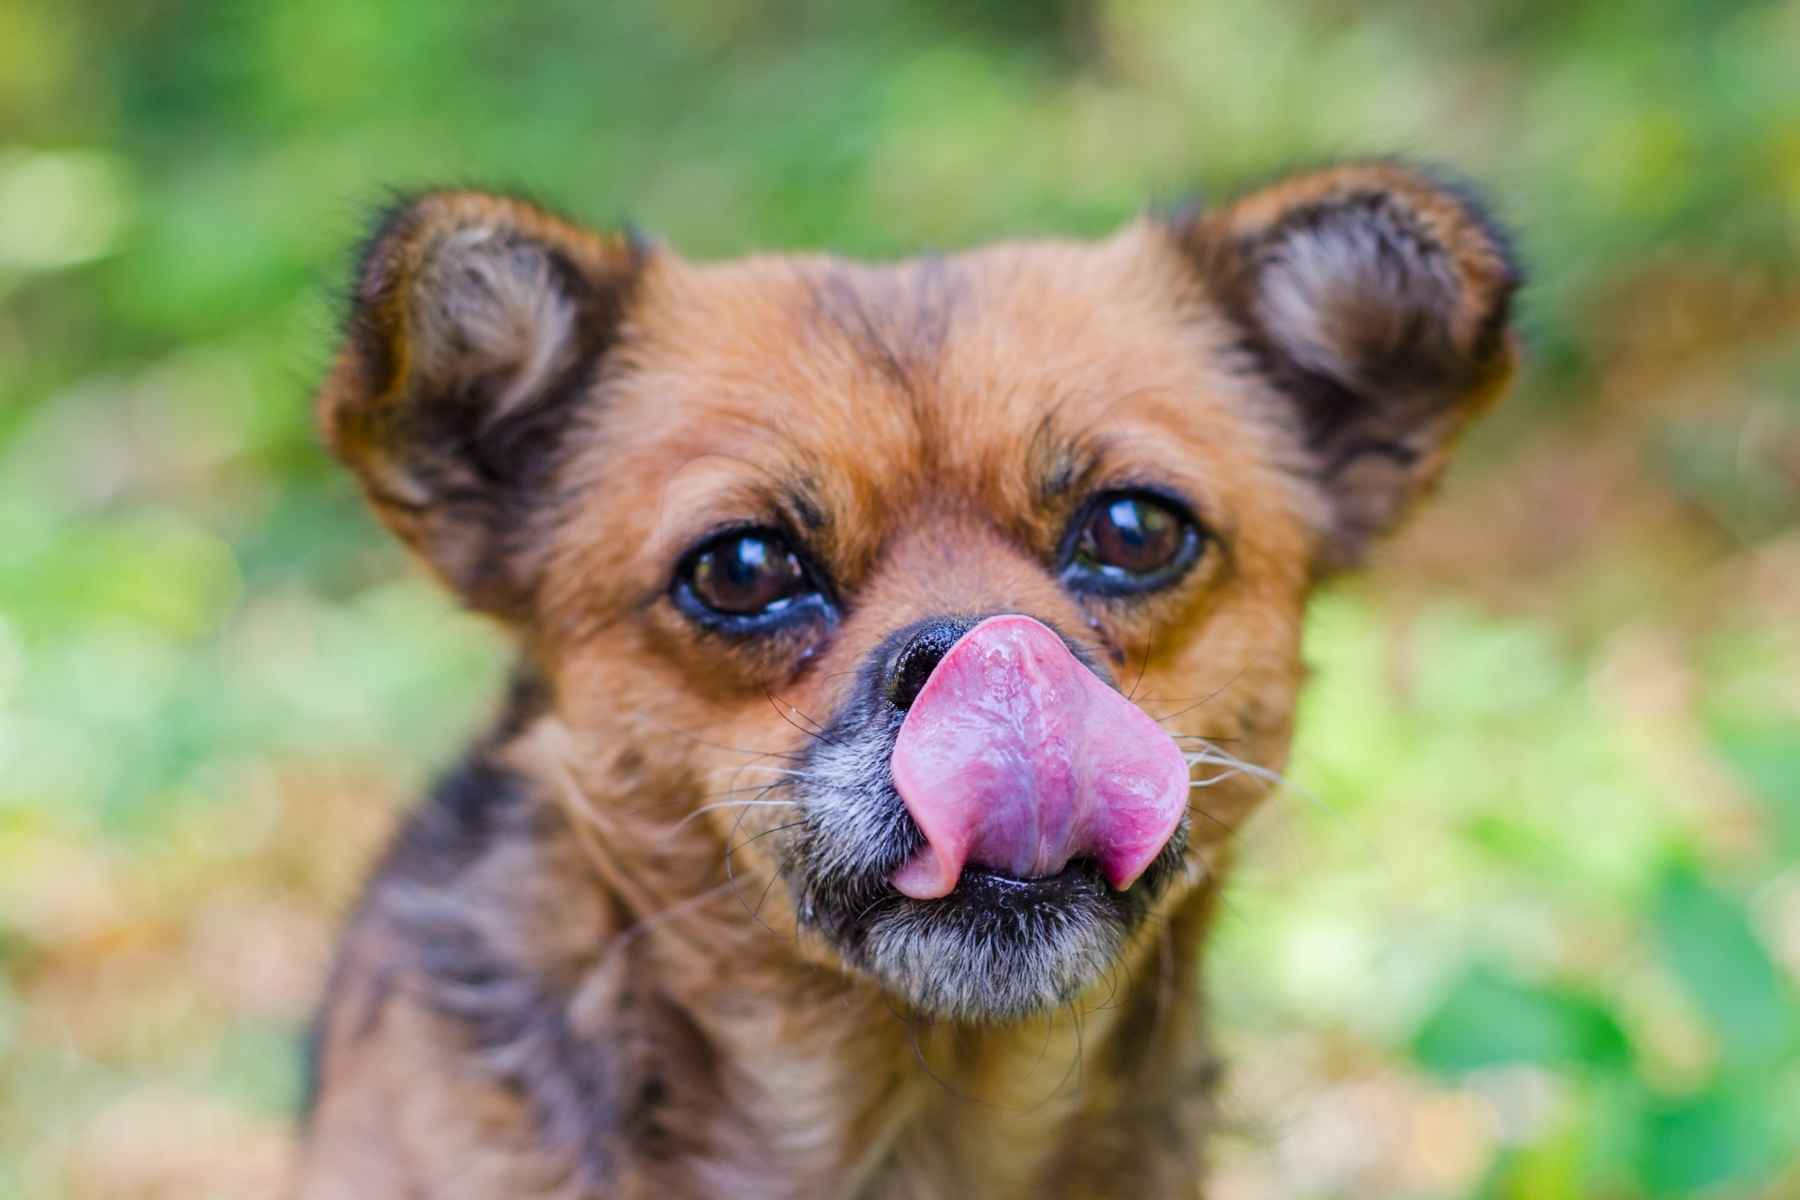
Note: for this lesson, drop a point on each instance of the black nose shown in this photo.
(919, 651)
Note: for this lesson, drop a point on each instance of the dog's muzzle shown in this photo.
(1016, 757)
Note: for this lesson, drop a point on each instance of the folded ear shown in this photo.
(478, 327)
(1376, 300)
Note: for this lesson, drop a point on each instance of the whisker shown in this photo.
(1073, 1069)
(1165, 983)
(738, 791)
(764, 899)
(1211, 755)
(817, 734)
(731, 874)
(868, 908)
(1201, 812)
(645, 925)
(912, 1033)
(1204, 699)
(784, 775)
(700, 741)
(753, 766)
(1062, 1081)
(811, 720)
(752, 803)
(1080, 1047)
(1112, 990)
(1049, 1028)
(1139, 681)
(765, 833)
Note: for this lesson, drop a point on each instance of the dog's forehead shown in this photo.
(1010, 364)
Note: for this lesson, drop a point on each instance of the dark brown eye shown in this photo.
(746, 574)
(1131, 542)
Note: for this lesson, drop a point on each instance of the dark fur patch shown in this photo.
(517, 1032)
(442, 838)
(840, 303)
(591, 1100)
(938, 292)
(896, 318)
(594, 1100)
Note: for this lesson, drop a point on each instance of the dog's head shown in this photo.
(960, 596)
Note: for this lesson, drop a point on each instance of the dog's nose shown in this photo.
(920, 651)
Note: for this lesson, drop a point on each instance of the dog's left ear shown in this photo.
(1376, 301)
(479, 328)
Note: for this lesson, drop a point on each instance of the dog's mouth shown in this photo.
(1079, 878)
(997, 947)
(986, 844)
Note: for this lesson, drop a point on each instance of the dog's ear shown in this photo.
(478, 327)
(1376, 300)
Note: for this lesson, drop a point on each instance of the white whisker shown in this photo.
(706, 808)
(734, 768)
(1212, 755)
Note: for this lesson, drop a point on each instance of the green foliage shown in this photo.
(1489, 1020)
(1700, 1141)
(1707, 939)
(1674, 1144)
(1768, 757)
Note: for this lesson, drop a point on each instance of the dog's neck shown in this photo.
(823, 1084)
(766, 1071)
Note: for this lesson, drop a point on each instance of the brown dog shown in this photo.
(825, 847)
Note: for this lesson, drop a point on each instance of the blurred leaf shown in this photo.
(1490, 1019)
(1707, 939)
(157, 569)
(1548, 1170)
(1767, 755)
(59, 209)
(1698, 1141)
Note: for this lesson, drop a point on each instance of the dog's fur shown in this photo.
(586, 967)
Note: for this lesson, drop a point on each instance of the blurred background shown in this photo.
(1528, 925)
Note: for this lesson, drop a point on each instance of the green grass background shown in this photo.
(1528, 925)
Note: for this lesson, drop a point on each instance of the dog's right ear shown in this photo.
(477, 330)
(1377, 301)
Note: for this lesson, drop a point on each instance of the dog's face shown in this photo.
(954, 605)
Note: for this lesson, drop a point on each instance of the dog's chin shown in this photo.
(996, 949)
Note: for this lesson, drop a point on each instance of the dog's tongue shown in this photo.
(1016, 757)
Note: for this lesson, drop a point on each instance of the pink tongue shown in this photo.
(1017, 758)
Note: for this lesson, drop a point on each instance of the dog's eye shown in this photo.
(1131, 542)
(746, 574)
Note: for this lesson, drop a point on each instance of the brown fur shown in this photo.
(575, 975)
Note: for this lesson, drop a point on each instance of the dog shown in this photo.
(898, 648)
